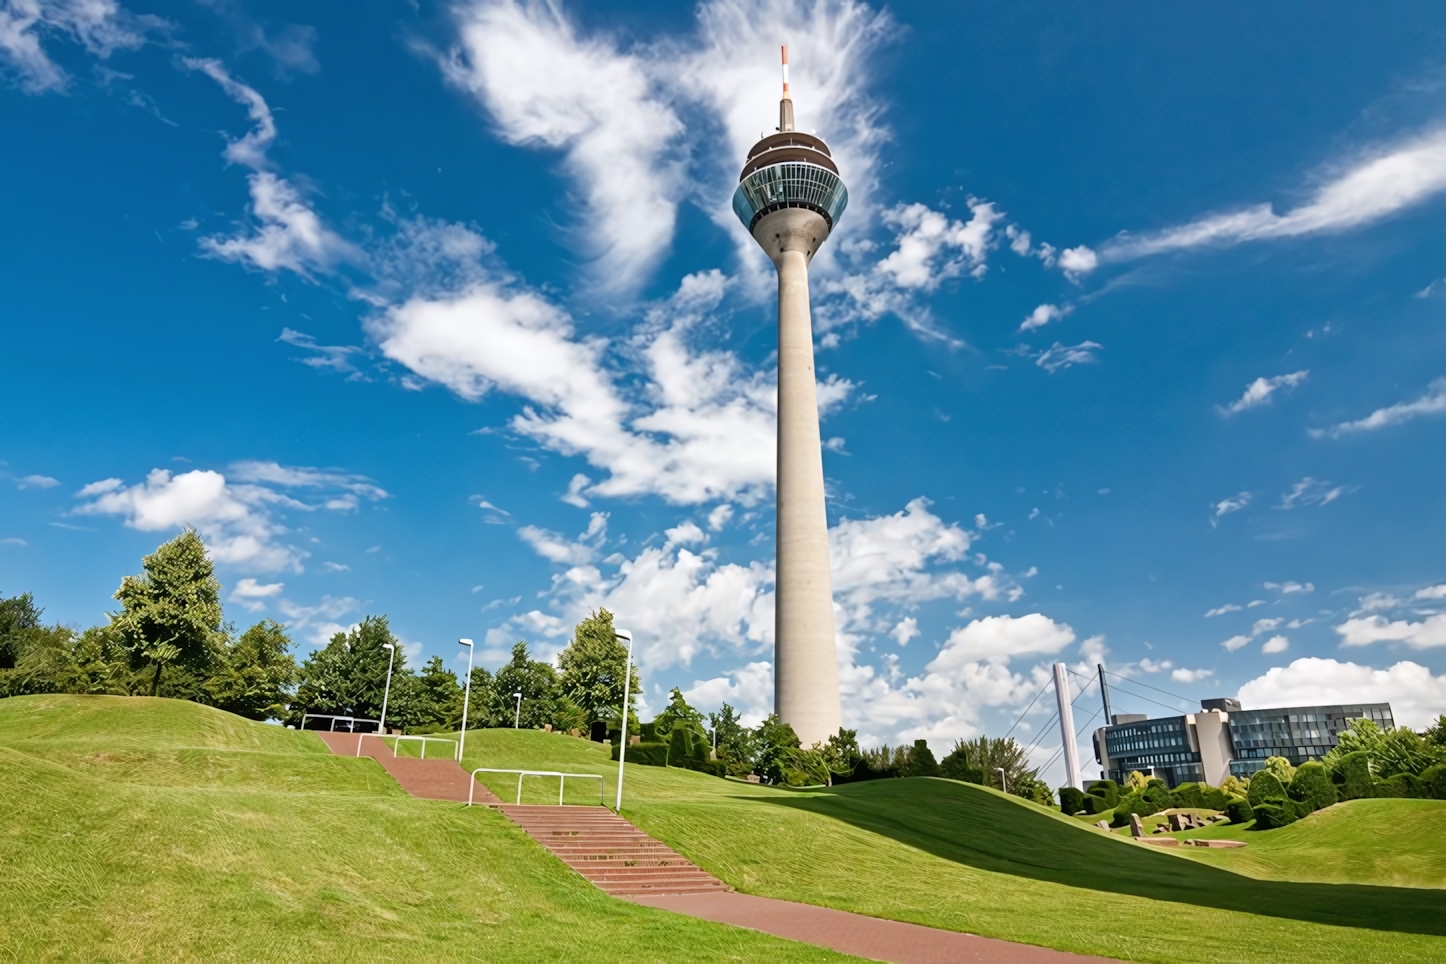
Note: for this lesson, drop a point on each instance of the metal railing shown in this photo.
(561, 784)
(397, 742)
(352, 720)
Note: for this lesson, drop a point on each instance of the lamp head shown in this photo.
(388, 646)
(622, 634)
(518, 694)
(464, 642)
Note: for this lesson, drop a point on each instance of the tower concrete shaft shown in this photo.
(790, 196)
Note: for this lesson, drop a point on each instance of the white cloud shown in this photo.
(906, 629)
(1226, 506)
(686, 533)
(1382, 181)
(320, 619)
(546, 86)
(1264, 626)
(1183, 675)
(1275, 644)
(1235, 642)
(101, 26)
(1365, 630)
(235, 517)
(36, 482)
(1432, 592)
(1059, 356)
(1432, 403)
(556, 548)
(720, 517)
(335, 357)
(250, 595)
(1150, 666)
(1001, 637)
(1043, 315)
(13, 541)
(1309, 491)
(1259, 392)
(289, 235)
(335, 567)
(1289, 587)
(1079, 261)
(1415, 695)
(1222, 610)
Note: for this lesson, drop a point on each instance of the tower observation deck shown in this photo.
(790, 197)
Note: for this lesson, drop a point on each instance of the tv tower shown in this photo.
(790, 196)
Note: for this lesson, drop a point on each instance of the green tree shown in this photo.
(436, 697)
(988, 756)
(18, 616)
(737, 748)
(921, 761)
(593, 666)
(775, 740)
(1436, 733)
(171, 614)
(536, 681)
(348, 676)
(255, 676)
(676, 713)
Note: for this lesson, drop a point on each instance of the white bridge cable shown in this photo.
(1078, 734)
(1021, 717)
(1140, 696)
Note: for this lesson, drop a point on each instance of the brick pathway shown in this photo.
(428, 779)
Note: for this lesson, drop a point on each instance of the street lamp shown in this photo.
(623, 737)
(1003, 784)
(517, 718)
(392, 658)
(466, 698)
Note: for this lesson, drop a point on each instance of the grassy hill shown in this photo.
(150, 830)
(969, 858)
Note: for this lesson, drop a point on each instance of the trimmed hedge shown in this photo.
(1239, 811)
(1352, 776)
(1264, 786)
(1188, 796)
(1215, 798)
(1396, 786)
(1071, 801)
(1274, 813)
(1312, 787)
(1104, 794)
(646, 754)
(1433, 781)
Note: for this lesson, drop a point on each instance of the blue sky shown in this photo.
(1131, 341)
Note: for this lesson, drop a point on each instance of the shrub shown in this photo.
(1274, 813)
(1188, 795)
(1102, 795)
(1239, 811)
(1396, 786)
(1282, 769)
(922, 762)
(1312, 787)
(1214, 797)
(645, 754)
(1157, 797)
(956, 766)
(1352, 776)
(1146, 803)
(1071, 801)
(1265, 786)
(1433, 781)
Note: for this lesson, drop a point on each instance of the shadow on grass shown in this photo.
(985, 830)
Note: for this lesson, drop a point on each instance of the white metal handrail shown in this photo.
(561, 784)
(397, 742)
(347, 719)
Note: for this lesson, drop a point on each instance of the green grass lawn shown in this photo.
(154, 830)
(968, 858)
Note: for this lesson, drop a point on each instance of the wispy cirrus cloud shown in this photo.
(1431, 403)
(1260, 391)
(100, 26)
(1226, 506)
(1381, 180)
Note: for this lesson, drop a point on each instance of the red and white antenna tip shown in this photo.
(785, 69)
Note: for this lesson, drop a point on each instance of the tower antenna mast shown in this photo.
(785, 106)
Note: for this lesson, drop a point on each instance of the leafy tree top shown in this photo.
(593, 666)
(171, 614)
(677, 713)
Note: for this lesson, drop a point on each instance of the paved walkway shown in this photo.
(620, 859)
(428, 779)
(870, 937)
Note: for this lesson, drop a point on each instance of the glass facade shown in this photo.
(1157, 747)
(1298, 733)
(790, 185)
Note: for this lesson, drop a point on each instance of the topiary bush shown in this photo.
(1157, 797)
(1352, 776)
(1274, 812)
(1214, 797)
(1264, 785)
(1433, 781)
(1239, 811)
(1396, 786)
(1188, 796)
(645, 754)
(1312, 787)
(1107, 792)
(1071, 801)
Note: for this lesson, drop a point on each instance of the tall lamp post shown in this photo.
(1003, 783)
(386, 695)
(623, 738)
(466, 698)
(517, 718)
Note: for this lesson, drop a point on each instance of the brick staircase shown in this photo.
(610, 852)
(427, 779)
